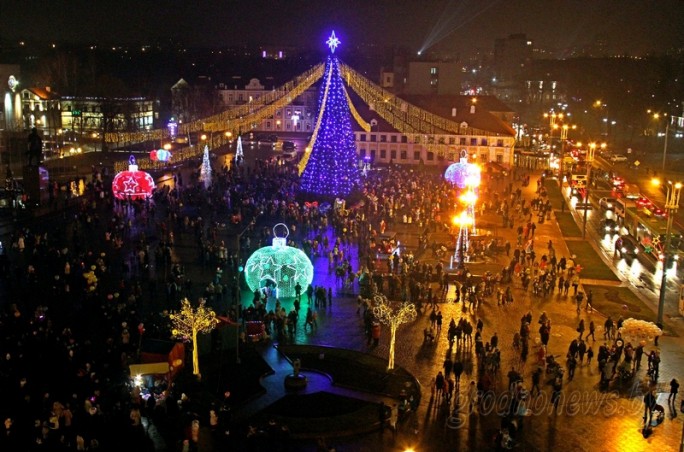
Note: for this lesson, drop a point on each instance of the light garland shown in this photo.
(412, 121)
(307, 152)
(365, 125)
(234, 118)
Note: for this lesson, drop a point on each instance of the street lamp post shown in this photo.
(589, 161)
(667, 132)
(564, 136)
(671, 206)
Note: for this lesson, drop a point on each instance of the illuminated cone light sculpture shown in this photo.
(205, 169)
(239, 153)
(331, 167)
(279, 265)
(132, 184)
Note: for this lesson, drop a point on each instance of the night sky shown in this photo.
(628, 26)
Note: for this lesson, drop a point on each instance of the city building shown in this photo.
(486, 136)
(84, 115)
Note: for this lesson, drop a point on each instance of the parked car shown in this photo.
(607, 203)
(615, 158)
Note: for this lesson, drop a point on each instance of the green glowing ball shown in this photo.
(280, 266)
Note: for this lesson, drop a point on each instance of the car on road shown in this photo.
(653, 211)
(607, 203)
(618, 181)
(609, 226)
(627, 246)
(616, 158)
(290, 152)
(644, 203)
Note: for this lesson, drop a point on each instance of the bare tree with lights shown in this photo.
(190, 321)
(392, 314)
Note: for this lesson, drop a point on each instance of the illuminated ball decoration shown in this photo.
(160, 155)
(132, 184)
(279, 265)
(463, 174)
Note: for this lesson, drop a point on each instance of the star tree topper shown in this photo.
(333, 42)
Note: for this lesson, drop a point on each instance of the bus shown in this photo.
(650, 232)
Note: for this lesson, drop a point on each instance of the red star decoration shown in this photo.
(130, 185)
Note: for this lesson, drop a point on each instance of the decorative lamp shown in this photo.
(132, 184)
(279, 266)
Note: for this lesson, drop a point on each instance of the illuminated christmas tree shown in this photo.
(205, 169)
(239, 154)
(331, 169)
(190, 321)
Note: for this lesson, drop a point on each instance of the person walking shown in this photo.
(458, 370)
(590, 301)
(439, 384)
(580, 329)
(579, 296)
(650, 403)
(536, 378)
(581, 350)
(448, 394)
(674, 389)
(592, 329)
(638, 354)
(448, 365)
(608, 327)
(590, 355)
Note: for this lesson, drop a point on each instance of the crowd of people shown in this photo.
(85, 293)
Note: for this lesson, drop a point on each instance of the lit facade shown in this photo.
(395, 147)
(298, 116)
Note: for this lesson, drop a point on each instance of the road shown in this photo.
(643, 271)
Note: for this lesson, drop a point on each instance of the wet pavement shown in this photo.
(587, 418)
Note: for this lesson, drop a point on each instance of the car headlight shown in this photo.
(607, 228)
(636, 250)
(624, 250)
(676, 257)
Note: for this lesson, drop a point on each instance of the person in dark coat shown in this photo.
(448, 366)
